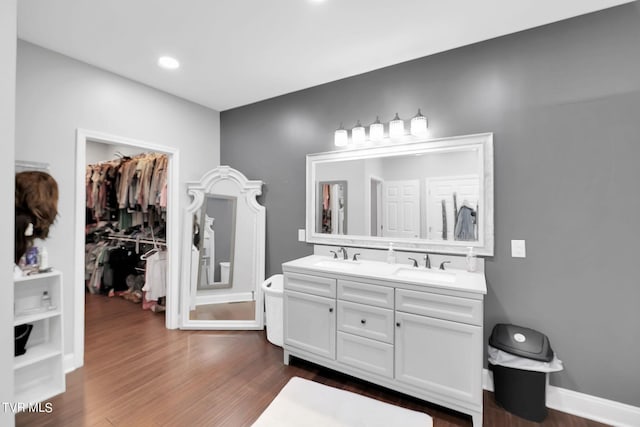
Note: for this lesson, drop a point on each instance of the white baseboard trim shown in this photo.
(583, 405)
(69, 363)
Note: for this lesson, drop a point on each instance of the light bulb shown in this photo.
(419, 125)
(358, 134)
(341, 138)
(168, 62)
(396, 127)
(376, 130)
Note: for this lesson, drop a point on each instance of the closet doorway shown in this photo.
(84, 137)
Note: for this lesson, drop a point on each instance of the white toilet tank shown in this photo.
(224, 272)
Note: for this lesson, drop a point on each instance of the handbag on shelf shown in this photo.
(21, 335)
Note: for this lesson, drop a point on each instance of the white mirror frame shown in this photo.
(249, 248)
(484, 246)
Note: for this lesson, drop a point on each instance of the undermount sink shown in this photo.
(413, 273)
(337, 264)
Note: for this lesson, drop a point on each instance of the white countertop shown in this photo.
(452, 279)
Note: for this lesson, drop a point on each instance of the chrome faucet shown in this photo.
(344, 253)
(443, 263)
(335, 254)
(415, 262)
(427, 261)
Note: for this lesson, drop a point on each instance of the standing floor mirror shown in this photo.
(223, 253)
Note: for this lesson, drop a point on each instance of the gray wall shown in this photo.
(55, 95)
(8, 15)
(563, 102)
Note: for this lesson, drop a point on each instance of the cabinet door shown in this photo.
(310, 323)
(440, 356)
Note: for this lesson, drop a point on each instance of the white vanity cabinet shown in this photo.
(39, 373)
(435, 353)
(311, 324)
(422, 340)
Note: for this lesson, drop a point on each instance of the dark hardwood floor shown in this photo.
(138, 374)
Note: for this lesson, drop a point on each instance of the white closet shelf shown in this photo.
(36, 354)
(39, 373)
(36, 276)
(21, 319)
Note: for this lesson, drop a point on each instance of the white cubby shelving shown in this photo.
(39, 373)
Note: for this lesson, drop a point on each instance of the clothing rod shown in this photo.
(130, 239)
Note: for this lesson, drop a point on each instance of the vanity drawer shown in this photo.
(315, 285)
(362, 353)
(445, 307)
(366, 321)
(364, 293)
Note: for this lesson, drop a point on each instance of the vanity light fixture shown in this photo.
(358, 135)
(396, 127)
(376, 130)
(168, 62)
(419, 125)
(341, 138)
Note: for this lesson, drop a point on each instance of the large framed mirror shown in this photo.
(223, 253)
(432, 195)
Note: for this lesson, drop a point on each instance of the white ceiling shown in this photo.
(236, 52)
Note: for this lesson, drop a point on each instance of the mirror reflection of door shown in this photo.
(332, 210)
(401, 208)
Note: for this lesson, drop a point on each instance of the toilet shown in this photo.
(224, 272)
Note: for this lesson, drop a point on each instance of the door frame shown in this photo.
(173, 227)
(368, 199)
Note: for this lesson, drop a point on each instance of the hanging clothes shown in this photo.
(126, 185)
(155, 284)
(465, 224)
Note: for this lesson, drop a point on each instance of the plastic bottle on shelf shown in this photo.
(391, 254)
(472, 261)
(44, 258)
(46, 300)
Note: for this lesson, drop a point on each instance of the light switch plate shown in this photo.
(518, 249)
(302, 235)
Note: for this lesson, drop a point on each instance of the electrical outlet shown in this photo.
(302, 235)
(518, 249)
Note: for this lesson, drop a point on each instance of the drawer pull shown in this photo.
(398, 324)
(363, 321)
(331, 310)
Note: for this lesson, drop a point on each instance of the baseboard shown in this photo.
(583, 405)
(69, 363)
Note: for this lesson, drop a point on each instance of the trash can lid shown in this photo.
(521, 341)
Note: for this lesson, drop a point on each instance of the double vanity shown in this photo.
(411, 329)
(406, 327)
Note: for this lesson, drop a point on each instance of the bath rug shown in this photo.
(304, 403)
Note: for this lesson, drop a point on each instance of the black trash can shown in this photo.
(519, 391)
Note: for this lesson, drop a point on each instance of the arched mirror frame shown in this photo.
(249, 247)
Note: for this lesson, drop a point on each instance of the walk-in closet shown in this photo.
(126, 217)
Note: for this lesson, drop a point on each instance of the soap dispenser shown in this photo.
(391, 255)
(472, 261)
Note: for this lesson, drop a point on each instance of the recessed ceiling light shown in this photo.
(168, 62)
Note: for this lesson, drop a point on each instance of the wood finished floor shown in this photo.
(138, 374)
